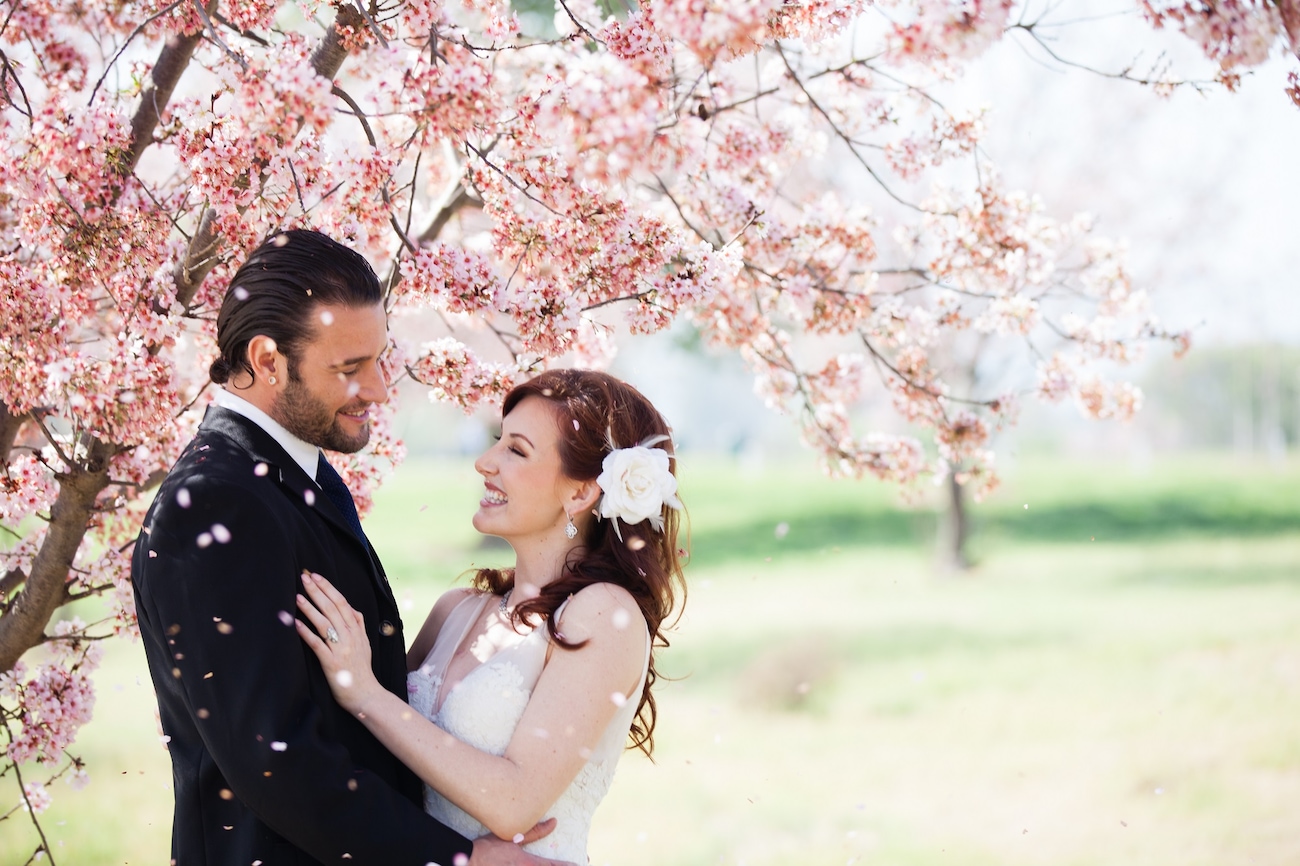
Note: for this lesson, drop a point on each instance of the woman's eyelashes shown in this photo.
(514, 449)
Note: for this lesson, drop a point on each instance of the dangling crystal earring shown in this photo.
(570, 531)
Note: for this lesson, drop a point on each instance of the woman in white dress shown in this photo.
(526, 688)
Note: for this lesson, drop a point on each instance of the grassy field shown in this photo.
(1115, 683)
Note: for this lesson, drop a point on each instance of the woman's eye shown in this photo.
(517, 451)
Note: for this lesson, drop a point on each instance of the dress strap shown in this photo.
(461, 619)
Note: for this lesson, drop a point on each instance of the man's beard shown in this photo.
(298, 411)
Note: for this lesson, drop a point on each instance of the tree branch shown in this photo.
(23, 625)
(201, 254)
(9, 426)
(167, 70)
(329, 55)
(11, 581)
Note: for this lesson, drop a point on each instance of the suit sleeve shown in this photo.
(222, 576)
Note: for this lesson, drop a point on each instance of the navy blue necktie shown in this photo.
(333, 487)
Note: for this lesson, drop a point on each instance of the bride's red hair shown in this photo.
(592, 410)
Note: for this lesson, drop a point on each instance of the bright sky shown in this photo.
(1205, 188)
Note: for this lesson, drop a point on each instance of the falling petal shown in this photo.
(518, 839)
(278, 745)
(541, 733)
(344, 679)
(354, 388)
(183, 498)
(205, 538)
(309, 496)
(576, 425)
(220, 533)
(226, 794)
(326, 317)
(241, 293)
(782, 530)
(261, 469)
(153, 554)
(618, 698)
(458, 860)
(202, 713)
(635, 543)
(225, 627)
(352, 784)
(621, 618)
(126, 397)
(285, 617)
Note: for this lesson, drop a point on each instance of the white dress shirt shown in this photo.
(303, 453)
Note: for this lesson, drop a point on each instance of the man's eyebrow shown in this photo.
(348, 362)
(359, 359)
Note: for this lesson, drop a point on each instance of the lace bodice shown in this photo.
(485, 707)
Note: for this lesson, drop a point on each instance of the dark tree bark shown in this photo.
(23, 624)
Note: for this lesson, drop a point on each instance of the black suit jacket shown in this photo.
(266, 765)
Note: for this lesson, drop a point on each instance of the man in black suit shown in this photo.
(267, 768)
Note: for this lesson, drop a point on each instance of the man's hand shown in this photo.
(491, 851)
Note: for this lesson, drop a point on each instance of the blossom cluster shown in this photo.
(50, 705)
(529, 199)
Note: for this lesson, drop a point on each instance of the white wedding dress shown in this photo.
(483, 710)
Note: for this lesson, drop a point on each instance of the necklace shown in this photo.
(504, 606)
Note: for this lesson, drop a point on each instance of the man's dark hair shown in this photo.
(276, 290)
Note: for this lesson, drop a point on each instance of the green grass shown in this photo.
(1124, 701)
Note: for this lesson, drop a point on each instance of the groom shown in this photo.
(267, 768)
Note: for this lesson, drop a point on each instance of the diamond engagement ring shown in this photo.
(331, 635)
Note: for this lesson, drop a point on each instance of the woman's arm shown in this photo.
(575, 699)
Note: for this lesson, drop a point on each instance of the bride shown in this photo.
(525, 688)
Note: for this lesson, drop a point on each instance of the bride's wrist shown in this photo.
(356, 696)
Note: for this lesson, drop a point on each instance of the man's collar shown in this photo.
(303, 453)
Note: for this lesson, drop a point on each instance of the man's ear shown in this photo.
(269, 366)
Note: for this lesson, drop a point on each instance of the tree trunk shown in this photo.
(954, 529)
(23, 624)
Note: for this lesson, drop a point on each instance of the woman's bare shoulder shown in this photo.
(601, 608)
(433, 623)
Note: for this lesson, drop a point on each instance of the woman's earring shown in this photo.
(570, 531)
(270, 380)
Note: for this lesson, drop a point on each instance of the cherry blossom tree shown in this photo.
(545, 190)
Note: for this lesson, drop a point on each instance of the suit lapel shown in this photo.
(263, 448)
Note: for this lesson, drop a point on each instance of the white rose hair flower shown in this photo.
(636, 484)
